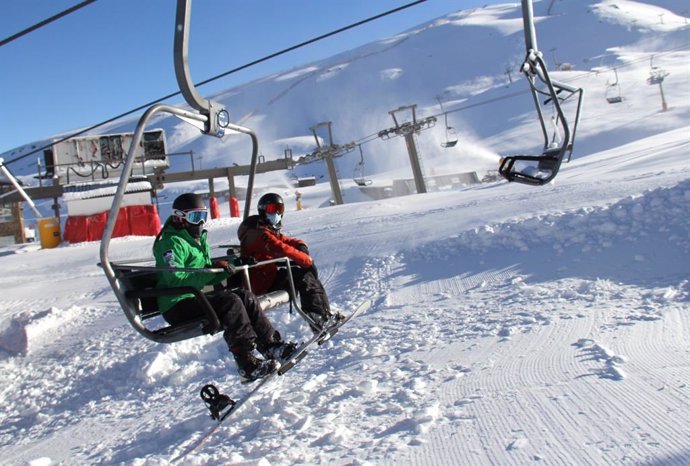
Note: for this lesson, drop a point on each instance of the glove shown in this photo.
(222, 265)
(247, 260)
(303, 247)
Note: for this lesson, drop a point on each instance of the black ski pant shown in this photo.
(313, 297)
(243, 321)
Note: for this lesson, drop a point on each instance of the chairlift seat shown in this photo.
(547, 166)
(449, 144)
(141, 295)
(613, 94)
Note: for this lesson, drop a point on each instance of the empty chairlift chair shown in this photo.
(541, 169)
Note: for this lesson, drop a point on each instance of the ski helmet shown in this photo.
(271, 208)
(189, 212)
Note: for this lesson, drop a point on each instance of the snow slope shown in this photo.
(511, 324)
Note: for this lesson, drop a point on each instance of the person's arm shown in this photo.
(174, 253)
(296, 243)
(277, 247)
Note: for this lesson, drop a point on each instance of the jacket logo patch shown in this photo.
(169, 257)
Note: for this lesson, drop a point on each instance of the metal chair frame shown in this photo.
(541, 169)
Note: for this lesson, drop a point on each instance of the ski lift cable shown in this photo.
(227, 73)
(45, 22)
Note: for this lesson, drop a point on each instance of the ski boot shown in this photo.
(249, 366)
(279, 350)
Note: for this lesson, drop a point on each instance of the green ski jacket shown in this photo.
(176, 248)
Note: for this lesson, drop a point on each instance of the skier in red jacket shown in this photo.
(261, 239)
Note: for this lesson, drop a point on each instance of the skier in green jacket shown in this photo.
(182, 243)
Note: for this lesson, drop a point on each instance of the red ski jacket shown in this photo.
(261, 242)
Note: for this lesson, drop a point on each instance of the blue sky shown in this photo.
(115, 55)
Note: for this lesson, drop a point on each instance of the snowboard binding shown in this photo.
(217, 403)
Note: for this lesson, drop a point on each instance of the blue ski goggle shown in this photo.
(194, 217)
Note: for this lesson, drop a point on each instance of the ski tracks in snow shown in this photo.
(545, 364)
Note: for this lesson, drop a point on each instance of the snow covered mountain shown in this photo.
(511, 324)
(470, 61)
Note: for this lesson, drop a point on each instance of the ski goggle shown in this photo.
(194, 217)
(275, 208)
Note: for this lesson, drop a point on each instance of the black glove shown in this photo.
(303, 247)
(247, 260)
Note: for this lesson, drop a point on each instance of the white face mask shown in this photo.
(273, 219)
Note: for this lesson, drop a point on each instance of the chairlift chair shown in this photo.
(451, 135)
(613, 94)
(541, 169)
(358, 176)
(134, 285)
(613, 91)
(656, 74)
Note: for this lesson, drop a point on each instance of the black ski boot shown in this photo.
(280, 350)
(324, 320)
(319, 321)
(276, 348)
(249, 366)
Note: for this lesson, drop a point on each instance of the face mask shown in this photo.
(273, 219)
(195, 230)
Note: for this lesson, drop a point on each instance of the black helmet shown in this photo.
(189, 212)
(271, 208)
(188, 201)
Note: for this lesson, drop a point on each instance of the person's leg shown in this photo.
(240, 335)
(183, 311)
(313, 298)
(269, 341)
(238, 329)
(257, 318)
(311, 288)
(312, 294)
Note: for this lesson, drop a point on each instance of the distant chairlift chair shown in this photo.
(451, 135)
(613, 91)
(358, 176)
